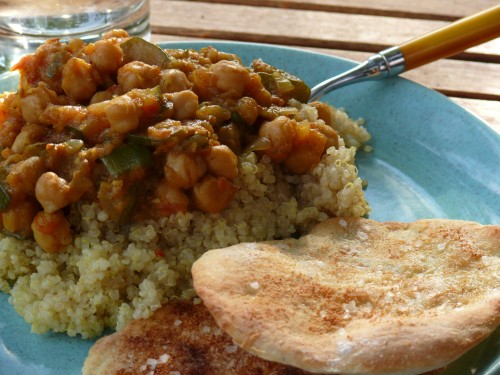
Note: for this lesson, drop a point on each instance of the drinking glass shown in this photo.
(25, 24)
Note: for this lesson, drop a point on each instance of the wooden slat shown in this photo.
(488, 110)
(424, 9)
(296, 27)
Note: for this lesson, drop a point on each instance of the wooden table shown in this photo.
(352, 29)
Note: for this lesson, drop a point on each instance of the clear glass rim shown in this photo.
(126, 18)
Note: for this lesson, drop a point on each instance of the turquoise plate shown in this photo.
(431, 158)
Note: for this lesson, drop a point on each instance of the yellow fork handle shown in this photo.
(452, 39)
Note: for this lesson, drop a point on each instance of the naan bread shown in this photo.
(357, 296)
(179, 337)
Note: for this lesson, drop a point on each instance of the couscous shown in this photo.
(122, 163)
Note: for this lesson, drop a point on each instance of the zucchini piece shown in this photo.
(142, 140)
(125, 158)
(138, 49)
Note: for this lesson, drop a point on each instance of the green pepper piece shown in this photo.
(138, 49)
(76, 131)
(267, 80)
(195, 142)
(127, 157)
(287, 84)
(283, 85)
(4, 198)
(35, 149)
(237, 118)
(55, 65)
(142, 140)
(300, 91)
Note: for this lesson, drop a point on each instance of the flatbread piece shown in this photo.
(179, 338)
(357, 296)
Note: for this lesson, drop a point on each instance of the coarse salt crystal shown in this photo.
(322, 314)
(164, 358)
(343, 223)
(345, 347)
(151, 362)
(362, 235)
(255, 285)
(177, 322)
(143, 368)
(205, 329)
(231, 348)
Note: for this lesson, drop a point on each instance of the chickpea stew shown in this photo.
(121, 163)
(142, 131)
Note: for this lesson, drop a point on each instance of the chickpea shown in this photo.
(332, 137)
(115, 34)
(213, 194)
(324, 112)
(101, 96)
(222, 162)
(183, 170)
(204, 82)
(138, 75)
(185, 104)
(34, 104)
(30, 133)
(231, 77)
(170, 199)
(256, 90)
(75, 45)
(52, 192)
(24, 174)
(173, 80)
(52, 231)
(17, 219)
(122, 114)
(107, 56)
(281, 133)
(248, 109)
(78, 80)
(98, 109)
(306, 151)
